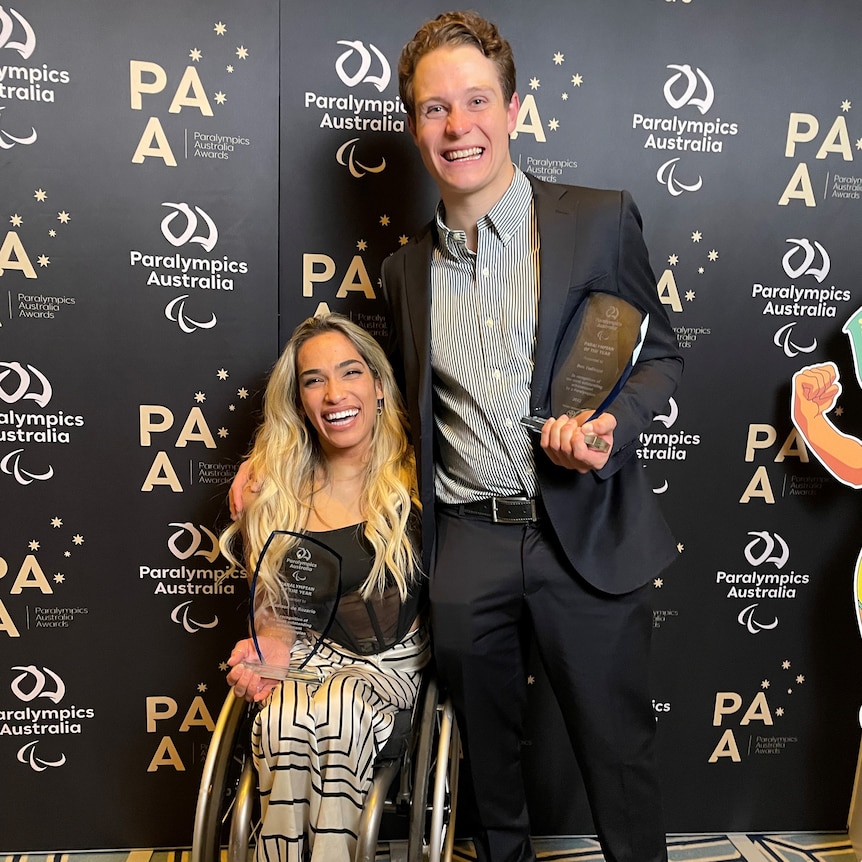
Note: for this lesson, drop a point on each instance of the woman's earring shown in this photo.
(379, 406)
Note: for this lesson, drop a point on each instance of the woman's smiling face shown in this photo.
(338, 392)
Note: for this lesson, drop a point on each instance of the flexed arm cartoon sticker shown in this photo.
(814, 393)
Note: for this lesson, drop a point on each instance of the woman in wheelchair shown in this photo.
(332, 478)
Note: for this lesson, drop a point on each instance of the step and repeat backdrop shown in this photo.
(182, 183)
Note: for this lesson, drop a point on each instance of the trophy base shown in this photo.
(593, 441)
(277, 671)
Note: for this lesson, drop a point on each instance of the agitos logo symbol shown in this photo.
(208, 241)
(361, 75)
(692, 79)
(25, 48)
(8, 141)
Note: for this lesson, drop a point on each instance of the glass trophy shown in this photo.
(306, 602)
(600, 345)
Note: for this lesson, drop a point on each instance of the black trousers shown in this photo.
(490, 581)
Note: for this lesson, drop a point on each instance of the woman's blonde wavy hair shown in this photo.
(286, 455)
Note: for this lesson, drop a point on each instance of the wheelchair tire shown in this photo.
(435, 782)
(221, 782)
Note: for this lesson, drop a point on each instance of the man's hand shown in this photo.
(563, 440)
(242, 489)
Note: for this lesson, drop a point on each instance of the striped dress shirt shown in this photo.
(484, 308)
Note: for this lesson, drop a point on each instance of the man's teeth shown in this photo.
(472, 153)
(343, 414)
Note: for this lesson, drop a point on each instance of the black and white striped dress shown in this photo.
(315, 743)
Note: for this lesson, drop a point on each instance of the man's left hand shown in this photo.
(564, 441)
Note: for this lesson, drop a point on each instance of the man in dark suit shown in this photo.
(526, 532)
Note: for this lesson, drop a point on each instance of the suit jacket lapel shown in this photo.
(556, 215)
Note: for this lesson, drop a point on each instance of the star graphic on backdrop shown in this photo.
(223, 432)
(242, 393)
(785, 664)
(658, 583)
(202, 686)
(559, 58)
(697, 236)
(40, 195)
(780, 711)
(800, 679)
(680, 547)
(553, 124)
(242, 52)
(534, 83)
(859, 144)
(564, 97)
(33, 545)
(222, 374)
(362, 245)
(43, 260)
(839, 411)
(232, 408)
(200, 397)
(59, 578)
(764, 683)
(577, 80)
(689, 295)
(195, 54)
(700, 270)
(229, 68)
(673, 260)
(531, 680)
(16, 220)
(220, 28)
(220, 98)
(403, 239)
(56, 522)
(223, 665)
(384, 221)
(52, 233)
(67, 553)
(713, 255)
(63, 217)
(846, 105)
(78, 539)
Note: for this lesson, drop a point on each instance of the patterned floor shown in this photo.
(782, 847)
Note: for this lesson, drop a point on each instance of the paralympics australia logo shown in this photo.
(765, 576)
(21, 384)
(361, 109)
(665, 442)
(186, 226)
(24, 83)
(38, 723)
(804, 291)
(690, 94)
(189, 577)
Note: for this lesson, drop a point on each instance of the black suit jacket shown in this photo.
(608, 521)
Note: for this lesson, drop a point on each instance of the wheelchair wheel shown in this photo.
(228, 788)
(435, 786)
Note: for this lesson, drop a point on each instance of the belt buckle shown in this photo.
(501, 519)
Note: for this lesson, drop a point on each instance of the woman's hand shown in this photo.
(242, 677)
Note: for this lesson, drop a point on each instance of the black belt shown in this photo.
(499, 510)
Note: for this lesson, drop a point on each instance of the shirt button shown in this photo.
(509, 423)
(489, 322)
(486, 272)
(497, 374)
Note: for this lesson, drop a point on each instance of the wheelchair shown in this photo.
(415, 775)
